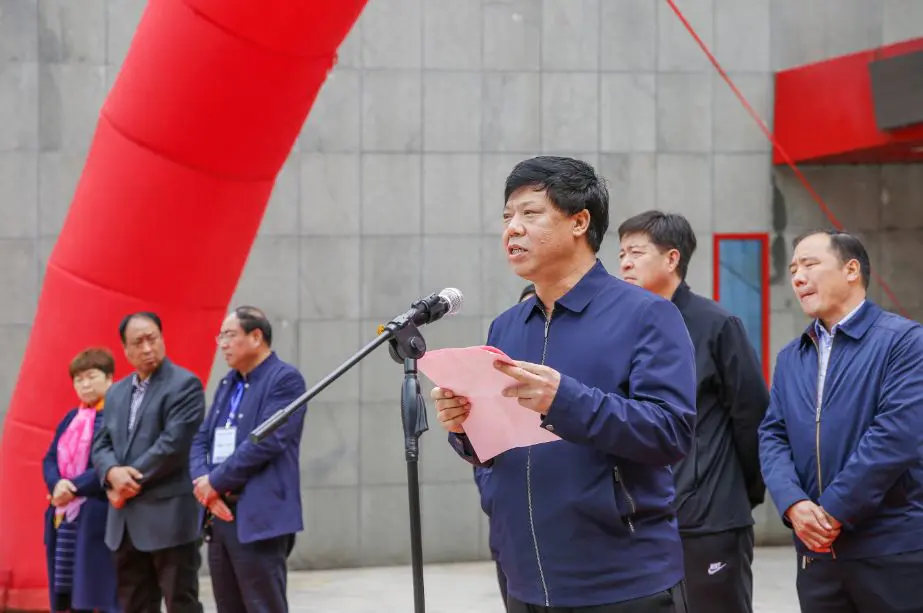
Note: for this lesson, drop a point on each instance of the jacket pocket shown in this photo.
(899, 494)
(624, 501)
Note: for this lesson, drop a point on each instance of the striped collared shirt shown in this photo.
(138, 388)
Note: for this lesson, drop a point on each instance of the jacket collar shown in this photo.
(256, 374)
(855, 327)
(682, 295)
(579, 296)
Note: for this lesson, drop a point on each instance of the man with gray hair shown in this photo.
(250, 492)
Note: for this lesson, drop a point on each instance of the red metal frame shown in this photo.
(763, 238)
(825, 113)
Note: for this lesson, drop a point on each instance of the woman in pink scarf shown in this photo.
(81, 574)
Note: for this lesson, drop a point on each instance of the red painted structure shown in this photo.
(824, 113)
(763, 239)
(208, 104)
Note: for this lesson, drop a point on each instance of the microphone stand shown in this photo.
(406, 346)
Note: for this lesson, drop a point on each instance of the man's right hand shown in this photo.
(124, 480)
(811, 526)
(451, 410)
(203, 491)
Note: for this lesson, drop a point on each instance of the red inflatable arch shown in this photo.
(209, 102)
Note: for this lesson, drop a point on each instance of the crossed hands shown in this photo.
(535, 386)
(208, 497)
(64, 491)
(124, 485)
(815, 527)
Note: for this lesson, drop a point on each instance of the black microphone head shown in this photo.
(454, 298)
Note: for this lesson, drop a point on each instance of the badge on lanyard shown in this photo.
(226, 437)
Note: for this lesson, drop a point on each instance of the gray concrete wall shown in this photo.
(394, 189)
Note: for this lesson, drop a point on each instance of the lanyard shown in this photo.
(234, 404)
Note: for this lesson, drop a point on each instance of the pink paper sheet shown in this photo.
(495, 423)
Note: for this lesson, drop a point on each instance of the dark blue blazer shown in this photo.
(94, 572)
(267, 475)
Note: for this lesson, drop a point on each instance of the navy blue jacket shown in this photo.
(858, 455)
(481, 477)
(94, 581)
(266, 475)
(588, 520)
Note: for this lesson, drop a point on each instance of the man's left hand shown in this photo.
(115, 499)
(832, 520)
(220, 509)
(536, 385)
(204, 492)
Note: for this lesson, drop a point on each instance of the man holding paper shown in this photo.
(585, 520)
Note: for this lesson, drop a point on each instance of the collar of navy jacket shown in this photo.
(254, 375)
(855, 327)
(681, 295)
(578, 297)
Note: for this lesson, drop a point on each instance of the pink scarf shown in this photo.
(74, 455)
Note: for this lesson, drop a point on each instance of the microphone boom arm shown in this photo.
(406, 346)
(405, 341)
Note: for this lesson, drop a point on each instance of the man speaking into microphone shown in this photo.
(585, 521)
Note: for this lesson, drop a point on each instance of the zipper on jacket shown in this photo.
(631, 501)
(538, 557)
(820, 402)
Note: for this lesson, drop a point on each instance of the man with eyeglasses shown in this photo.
(141, 454)
(250, 493)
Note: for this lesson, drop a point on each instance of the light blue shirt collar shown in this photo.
(822, 331)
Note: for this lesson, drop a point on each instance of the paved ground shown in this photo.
(472, 588)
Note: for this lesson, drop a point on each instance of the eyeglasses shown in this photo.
(226, 336)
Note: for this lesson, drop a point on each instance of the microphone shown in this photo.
(400, 331)
(431, 308)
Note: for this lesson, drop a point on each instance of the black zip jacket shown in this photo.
(719, 482)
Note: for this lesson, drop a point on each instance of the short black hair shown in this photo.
(846, 247)
(666, 231)
(528, 290)
(252, 318)
(123, 325)
(571, 185)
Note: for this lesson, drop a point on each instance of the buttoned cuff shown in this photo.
(565, 415)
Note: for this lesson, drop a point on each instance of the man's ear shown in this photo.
(673, 256)
(581, 223)
(853, 271)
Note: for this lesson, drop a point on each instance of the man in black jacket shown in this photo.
(719, 482)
